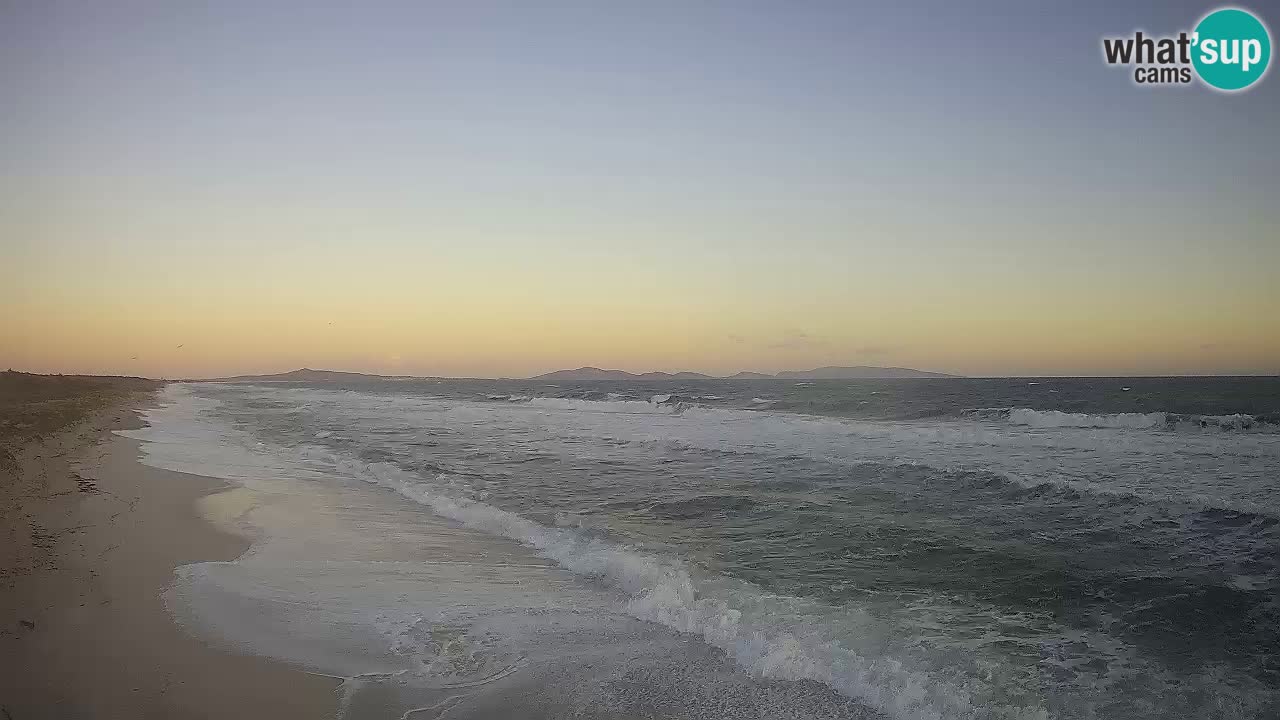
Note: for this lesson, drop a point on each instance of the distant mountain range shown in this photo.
(594, 373)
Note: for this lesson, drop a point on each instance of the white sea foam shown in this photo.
(764, 633)
(1237, 421)
(1228, 470)
(1159, 420)
(664, 591)
(656, 405)
(605, 406)
(1057, 418)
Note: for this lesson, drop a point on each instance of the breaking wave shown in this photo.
(1028, 417)
(762, 632)
(664, 404)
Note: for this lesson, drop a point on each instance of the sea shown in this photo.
(913, 549)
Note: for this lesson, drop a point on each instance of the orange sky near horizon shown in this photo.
(201, 310)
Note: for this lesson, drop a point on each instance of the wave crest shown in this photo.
(1028, 417)
(762, 632)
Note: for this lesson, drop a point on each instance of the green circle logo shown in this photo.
(1232, 49)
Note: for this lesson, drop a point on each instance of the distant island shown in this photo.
(863, 372)
(305, 375)
(594, 373)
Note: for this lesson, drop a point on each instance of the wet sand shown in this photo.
(91, 541)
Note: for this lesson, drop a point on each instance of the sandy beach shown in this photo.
(91, 541)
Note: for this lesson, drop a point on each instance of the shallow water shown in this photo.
(907, 549)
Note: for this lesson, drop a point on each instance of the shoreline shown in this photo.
(84, 630)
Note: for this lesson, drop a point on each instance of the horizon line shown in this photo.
(767, 376)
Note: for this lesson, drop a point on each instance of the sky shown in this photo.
(480, 189)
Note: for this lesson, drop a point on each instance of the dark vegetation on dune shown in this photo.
(33, 406)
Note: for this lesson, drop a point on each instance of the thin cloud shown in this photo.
(797, 340)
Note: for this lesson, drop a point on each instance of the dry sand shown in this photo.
(91, 540)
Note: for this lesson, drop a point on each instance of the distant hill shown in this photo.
(595, 373)
(302, 375)
(823, 373)
(586, 373)
(857, 372)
